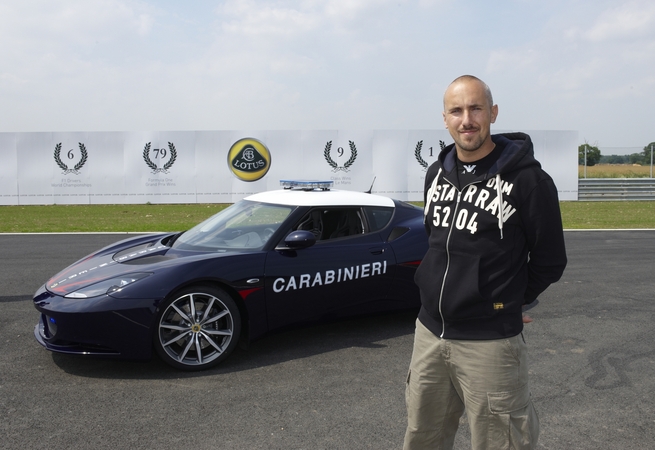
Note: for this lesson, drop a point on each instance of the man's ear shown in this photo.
(494, 113)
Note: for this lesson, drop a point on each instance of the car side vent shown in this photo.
(396, 233)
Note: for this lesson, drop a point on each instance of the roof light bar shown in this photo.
(307, 185)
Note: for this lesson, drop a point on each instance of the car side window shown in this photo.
(378, 217)
(333, 223)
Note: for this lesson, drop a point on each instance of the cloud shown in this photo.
(75, 23)
(293, 18)
(632, 89)
(605, 48)
(149, 64)
(630, 20)
(522, 58)
(48, 48)
(349, 10)
(581, 67)
(257, 18)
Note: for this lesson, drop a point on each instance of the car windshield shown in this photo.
(244, 225)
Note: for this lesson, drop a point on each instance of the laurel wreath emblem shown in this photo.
(152, 165)
(347, 164)
(63, 166)
(419, 158)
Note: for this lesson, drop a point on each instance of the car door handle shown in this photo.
(376, 251)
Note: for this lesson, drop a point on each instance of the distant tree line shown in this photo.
(594, 156)
(634, 158)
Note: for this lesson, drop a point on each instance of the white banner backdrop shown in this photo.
(8, 170)
(193, 166)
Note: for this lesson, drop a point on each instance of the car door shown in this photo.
(346, 270)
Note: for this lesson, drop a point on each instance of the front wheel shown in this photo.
(197, 328)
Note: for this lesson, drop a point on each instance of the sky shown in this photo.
(121, 65)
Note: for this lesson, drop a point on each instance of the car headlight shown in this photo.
(107, 286)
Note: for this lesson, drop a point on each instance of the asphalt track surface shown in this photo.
(331, 386)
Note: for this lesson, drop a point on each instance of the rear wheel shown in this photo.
(197, 328)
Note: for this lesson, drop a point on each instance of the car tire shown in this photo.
(197, 328)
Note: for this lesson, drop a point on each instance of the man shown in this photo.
(495, 243)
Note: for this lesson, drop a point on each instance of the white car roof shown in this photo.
(333, 197)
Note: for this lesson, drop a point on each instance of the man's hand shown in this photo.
(526, 318)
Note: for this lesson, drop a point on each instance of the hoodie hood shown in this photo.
(518, 154)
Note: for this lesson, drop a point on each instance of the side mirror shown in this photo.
(299, 239)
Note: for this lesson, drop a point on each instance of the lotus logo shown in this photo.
(249, 154)
(249, 159)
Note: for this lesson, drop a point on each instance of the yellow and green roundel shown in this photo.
(249, 159)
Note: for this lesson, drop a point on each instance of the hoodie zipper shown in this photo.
(450, 232)
(501, 220)
(445, 275)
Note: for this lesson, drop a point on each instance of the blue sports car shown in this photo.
(274, 259)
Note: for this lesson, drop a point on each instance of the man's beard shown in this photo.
(471, 145)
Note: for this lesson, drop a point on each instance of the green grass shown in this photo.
(103, 218)
(139, 218)
(585, 215)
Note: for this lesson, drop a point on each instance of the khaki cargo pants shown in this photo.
(488, 378)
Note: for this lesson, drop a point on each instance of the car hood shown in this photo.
(140, 254)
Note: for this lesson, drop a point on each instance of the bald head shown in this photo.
(471, 78)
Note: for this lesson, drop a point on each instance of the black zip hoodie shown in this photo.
(482, 266)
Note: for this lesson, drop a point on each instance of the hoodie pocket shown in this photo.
(455, 282)
(428, 278)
